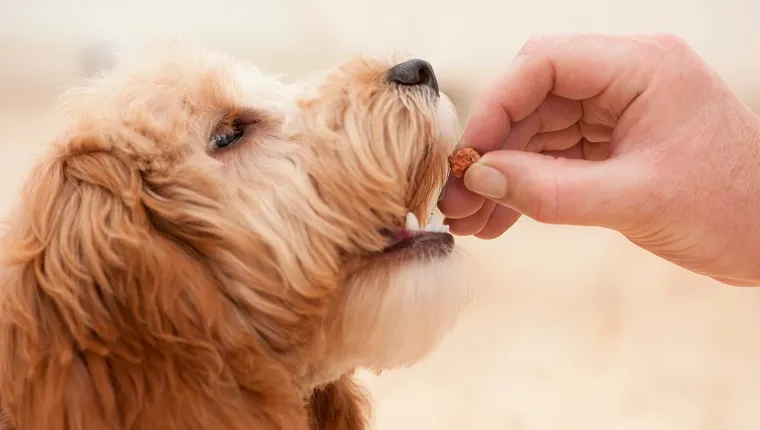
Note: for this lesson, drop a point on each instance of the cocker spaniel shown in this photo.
(206, 247)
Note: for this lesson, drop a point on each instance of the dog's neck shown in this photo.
(322, 372)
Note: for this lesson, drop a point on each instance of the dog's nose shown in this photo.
(412, 73)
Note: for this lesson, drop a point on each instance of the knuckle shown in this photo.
(535, 44)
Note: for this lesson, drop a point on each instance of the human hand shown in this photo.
(634, 134)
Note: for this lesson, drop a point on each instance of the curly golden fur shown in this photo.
(152, 280)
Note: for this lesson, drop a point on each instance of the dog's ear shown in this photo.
(339, 405)
(117, 303)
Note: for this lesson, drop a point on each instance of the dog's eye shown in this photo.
(225, 140)
(235, 127)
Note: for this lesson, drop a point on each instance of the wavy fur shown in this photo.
(150, 283)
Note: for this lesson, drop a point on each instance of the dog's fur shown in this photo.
(150, 282)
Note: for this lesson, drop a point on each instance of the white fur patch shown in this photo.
(398, 317)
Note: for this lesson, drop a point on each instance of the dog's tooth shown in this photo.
(440, 228)
(412, 223)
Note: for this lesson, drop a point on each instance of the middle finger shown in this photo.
(553, 114)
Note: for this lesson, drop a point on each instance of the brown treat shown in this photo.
(461, 160)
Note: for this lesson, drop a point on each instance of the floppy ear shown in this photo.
(118, 303)
(339, 405)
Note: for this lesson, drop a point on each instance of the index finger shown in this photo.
(610, 69)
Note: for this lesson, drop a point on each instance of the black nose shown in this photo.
(412, 73)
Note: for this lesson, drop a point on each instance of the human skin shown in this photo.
(635, 134)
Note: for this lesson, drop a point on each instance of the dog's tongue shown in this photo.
(400, 234)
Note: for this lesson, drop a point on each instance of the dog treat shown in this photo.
(461, 160)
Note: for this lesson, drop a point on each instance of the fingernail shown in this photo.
(486, 181)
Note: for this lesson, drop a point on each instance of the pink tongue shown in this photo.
(402, 234)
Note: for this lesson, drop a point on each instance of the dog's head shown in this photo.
(209, 247)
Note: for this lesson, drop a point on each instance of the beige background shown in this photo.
(570, 328)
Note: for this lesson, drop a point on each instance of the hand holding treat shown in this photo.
(635, 134)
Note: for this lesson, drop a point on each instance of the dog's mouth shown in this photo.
(432, 239)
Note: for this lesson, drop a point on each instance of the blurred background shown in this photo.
(570, 328)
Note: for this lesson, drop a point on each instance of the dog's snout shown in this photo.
(412, 73)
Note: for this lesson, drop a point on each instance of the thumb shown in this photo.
(554, 190)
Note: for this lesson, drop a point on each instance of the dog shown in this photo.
(208, 247)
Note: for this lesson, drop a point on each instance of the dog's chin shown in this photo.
(402, 305)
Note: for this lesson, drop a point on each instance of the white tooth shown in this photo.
(439, 228)
(411, 222)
